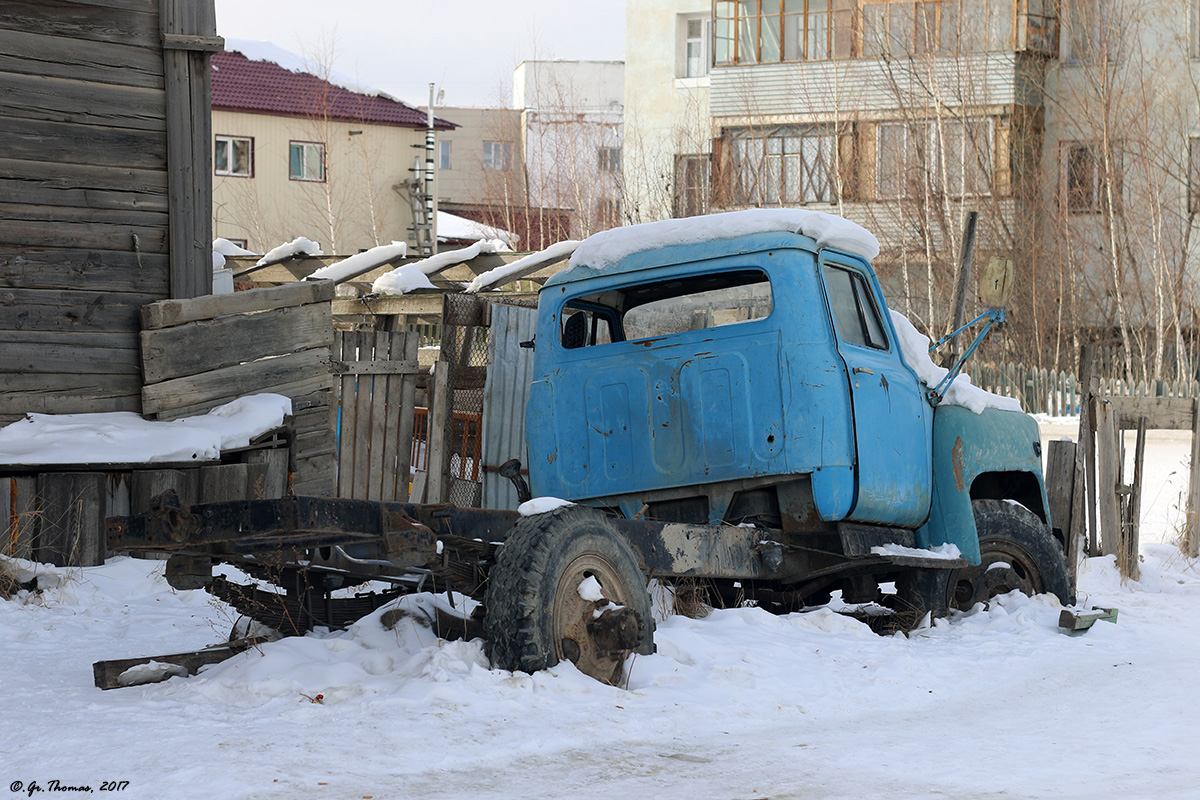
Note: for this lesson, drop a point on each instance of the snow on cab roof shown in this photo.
(605, 250)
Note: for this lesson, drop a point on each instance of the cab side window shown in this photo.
(855, 314)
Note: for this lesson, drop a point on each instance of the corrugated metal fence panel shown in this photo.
(510, 371)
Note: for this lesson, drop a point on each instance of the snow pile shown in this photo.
(534, 261)
(359, 263)
(228, 248)
(607, 248)
(391, 283)
(726, 701)
(122, 437)
(948, 552)
(914, 346)
(540, 505)
(451, 226)
(299, 246)
(402, 280)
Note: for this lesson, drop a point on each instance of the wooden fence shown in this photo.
(1043, 391)
(377, 407)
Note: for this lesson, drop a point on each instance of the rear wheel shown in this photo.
(1018, 553)
(566, 585)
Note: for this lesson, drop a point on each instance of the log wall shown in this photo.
(90, 194)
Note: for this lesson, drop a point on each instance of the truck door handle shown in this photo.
(863, 369)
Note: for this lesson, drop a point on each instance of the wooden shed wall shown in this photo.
(85, 196)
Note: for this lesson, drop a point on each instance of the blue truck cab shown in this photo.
(744, 369)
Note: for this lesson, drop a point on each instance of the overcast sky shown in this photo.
(467, 47)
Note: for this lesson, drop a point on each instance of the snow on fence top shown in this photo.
(607, 248)
(296, 247)
(914, 346)
(359, 263)
(494, 277)
(123, 437)
(404, 279)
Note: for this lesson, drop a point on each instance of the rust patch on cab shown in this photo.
(956, 457)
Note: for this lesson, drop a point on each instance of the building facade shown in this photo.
(296, 155)
(572, 120)
(906, 115)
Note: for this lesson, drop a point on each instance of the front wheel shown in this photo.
(566, 585)
(1019, 553)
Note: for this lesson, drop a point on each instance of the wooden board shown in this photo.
(68, 99)
(223, 483)
(48, 393)
(405, 304)
(75, 143)
(33, 356)
(211, 344)
(271, 481)
(85, 19)
(107, 674)
(124, 272)
(58, 56)
(146, 484)
(177, 312)
(270, 375)
(71, 515)
(1060, 491)
(64, 310)
(1108, 470)
(1160, 413)
(82, 235)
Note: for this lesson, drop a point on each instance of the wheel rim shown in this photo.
(571, 616)
(1004, 567)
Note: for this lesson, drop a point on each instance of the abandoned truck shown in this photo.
(725, 403)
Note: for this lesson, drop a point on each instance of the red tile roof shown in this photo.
(263, 87)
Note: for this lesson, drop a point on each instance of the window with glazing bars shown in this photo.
(784, 165)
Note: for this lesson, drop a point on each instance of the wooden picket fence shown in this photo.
(1043, 391)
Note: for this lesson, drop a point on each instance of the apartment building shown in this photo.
(905, 115)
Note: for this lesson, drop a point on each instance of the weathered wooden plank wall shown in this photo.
(204, 352)
(84, 195)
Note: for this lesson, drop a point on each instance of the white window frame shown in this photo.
(685, 68)
(305, 150)
(231, 142)
(497, 156)
(445, 152)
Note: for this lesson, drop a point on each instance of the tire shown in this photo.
(1019, 552)
(536, 614)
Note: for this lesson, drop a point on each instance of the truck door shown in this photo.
(892, 421)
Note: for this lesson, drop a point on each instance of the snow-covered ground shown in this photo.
(742, 704)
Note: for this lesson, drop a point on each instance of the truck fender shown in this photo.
(997, 455)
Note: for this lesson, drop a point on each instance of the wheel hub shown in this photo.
(1004, 568)
(595, 634)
